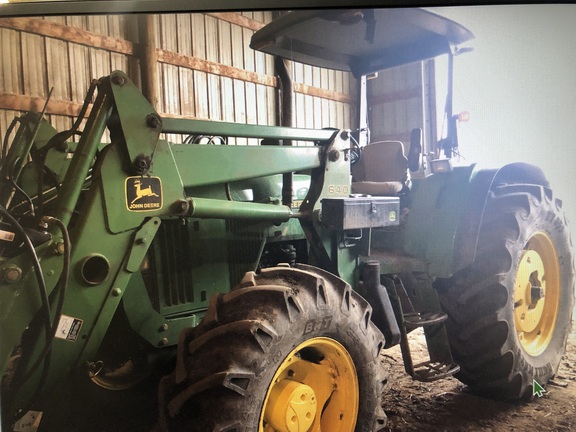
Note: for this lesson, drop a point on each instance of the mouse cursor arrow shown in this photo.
(537, 389)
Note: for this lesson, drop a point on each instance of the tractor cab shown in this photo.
(364, 42)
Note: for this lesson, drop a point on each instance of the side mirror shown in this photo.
(415, 152)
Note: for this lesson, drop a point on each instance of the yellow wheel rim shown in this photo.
(314, 389)
(537, 294)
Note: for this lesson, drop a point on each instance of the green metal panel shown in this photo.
(430, 231)
(116, 187)
(19, 302)
(140, 244)
(139, 122)
(92, 304)
(120, 217)
(196, 163)
(156, 328)
(329, 249)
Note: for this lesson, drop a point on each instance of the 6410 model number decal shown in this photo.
(143, 193)
(339, 189)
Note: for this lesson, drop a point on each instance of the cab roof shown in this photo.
(362, 41)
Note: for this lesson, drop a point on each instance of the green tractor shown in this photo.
(191, 287)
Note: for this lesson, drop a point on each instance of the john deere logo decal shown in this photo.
(143, 193)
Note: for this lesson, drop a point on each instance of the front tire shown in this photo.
(510, 311)
(286, 350)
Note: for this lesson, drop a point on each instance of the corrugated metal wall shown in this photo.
(205, 69)
(61, 54)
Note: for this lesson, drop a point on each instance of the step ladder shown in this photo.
(440, 365)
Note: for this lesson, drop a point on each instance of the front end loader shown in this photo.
(198, 287)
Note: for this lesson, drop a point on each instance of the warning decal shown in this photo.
(7, 235)
(29, 422)
(143, 193)
(69, 328)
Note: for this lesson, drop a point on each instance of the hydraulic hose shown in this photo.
(35, 263)
(62, 286)
(56, 140)
(46, 314)
(44, 357)
(7, 136)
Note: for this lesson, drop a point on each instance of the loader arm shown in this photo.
(114, 199)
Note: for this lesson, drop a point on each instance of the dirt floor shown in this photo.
(447, 405)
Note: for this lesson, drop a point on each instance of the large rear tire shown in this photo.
(287, 350)
(510, 311)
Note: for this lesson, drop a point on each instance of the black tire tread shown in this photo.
(225, 360)
(478, 303)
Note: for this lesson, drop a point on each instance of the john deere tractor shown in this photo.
(200, 287)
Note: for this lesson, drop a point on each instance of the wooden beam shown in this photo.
(238, 19)
(28, 103)
(323, 93)
(83, 37)
(147, 52)
(201, 65)
(71, 109)
(68, 33)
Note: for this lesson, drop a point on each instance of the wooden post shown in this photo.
(148, 58)
(132, 29)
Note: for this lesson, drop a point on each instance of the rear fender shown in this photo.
(481, 182)
(446, 212)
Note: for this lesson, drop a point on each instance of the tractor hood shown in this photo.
(362, 41)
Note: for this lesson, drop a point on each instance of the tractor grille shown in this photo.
(188, 263)
(174, 265)
(244, 249)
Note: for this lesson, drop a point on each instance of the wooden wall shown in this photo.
(205, 69)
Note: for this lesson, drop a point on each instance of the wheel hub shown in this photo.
(530, 308)
(315, 389)
(536, 294)
(291, 407)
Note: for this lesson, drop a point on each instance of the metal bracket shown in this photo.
(141, 243)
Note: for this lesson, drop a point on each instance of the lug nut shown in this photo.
(153, 121)
(119, 80)
(334, 155)
(181, 207)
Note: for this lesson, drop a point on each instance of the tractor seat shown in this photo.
(382, 170)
